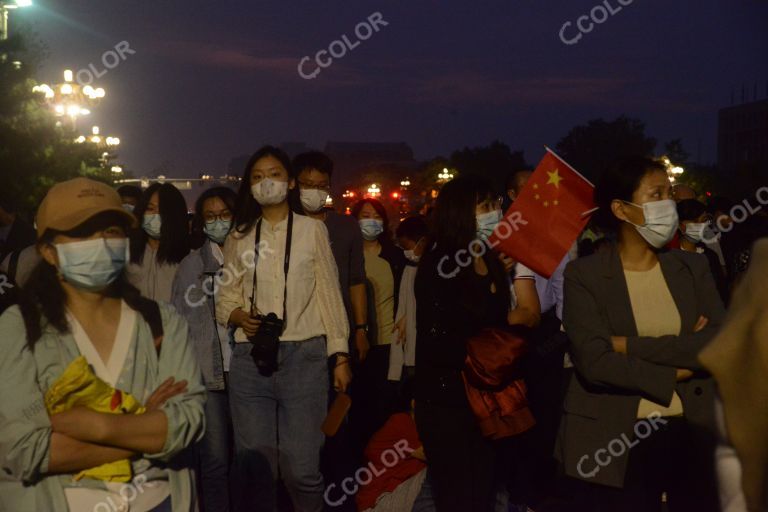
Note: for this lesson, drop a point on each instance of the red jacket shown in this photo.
(389, 460)
(496, 393)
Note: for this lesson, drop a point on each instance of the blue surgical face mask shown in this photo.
(151, 224)
(217, 230)
(486, 223)
(371, 228)
(92, 264)
(128, 207)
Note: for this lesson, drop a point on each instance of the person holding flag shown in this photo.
(461, 287)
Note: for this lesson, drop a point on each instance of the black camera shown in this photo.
(266, 342)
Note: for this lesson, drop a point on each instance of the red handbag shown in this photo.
(496, 392)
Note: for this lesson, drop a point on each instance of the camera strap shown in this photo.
(286, 263)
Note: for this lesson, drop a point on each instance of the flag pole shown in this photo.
(569, 165)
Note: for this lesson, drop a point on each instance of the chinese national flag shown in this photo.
(547, 217)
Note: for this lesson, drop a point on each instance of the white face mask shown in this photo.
(487, 222)
(312, 199)
(269, 192)
(152, 224)
(410, 255)
(660, 221)
(700, 232)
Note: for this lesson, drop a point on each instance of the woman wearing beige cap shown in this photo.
(77, 304)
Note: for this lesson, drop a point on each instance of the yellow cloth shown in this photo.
(379, 273)
(79, 386)
(655, 315)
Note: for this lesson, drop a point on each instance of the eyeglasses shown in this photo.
(211, 217)
(314, 186)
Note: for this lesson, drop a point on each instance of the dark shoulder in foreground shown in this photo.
(587, 265)
(687, 256)
(339, 221)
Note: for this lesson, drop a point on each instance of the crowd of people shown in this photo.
(155, 359)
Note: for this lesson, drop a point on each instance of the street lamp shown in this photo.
(69, 98)
(405, 183)
(673, 171)
(445, 175)
(374, 190)
(97, 138)
(4, 8)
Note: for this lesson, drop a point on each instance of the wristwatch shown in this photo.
(362, 326)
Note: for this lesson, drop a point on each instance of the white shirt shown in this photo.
(108, 371)
(521, 272)
(314, 305)
(405, 354)
(152, 493)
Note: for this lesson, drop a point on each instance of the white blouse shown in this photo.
(314, 305)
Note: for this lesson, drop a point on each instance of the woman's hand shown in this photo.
(619, 344)
(164, 392)
(342, 374)
(683, 374)
(508, 262)
(399, 331)
(418, 453)
(246, 322)
(700, 323)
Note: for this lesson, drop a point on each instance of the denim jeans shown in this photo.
(214, 453)
(276, 421)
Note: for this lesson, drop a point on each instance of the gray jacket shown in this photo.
(600, 407)
(194, 290)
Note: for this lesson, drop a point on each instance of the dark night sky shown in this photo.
(215, 79)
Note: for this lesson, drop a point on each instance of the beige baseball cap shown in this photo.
(70, 203)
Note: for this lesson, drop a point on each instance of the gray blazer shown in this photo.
(191, 295)
(600, 407)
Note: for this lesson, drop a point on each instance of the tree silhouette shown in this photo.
(592, 147)
(494, 162)
(35, 151)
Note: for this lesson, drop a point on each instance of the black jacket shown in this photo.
(449, 310)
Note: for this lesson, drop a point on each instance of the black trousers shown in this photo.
(669, 461)
(374, 398)
(460, 459)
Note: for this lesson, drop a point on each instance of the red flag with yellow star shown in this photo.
(547, 217)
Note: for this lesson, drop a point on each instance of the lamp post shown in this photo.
(4, 9)
(374, 190)
(69, 98)
(673, 171)
(444, 176)
(105, 144)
